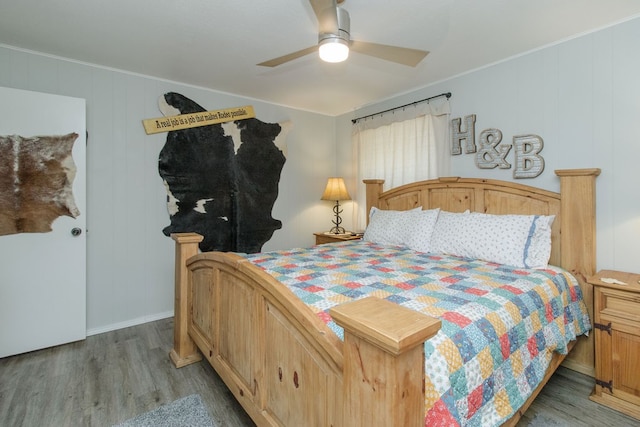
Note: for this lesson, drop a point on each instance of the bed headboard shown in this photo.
(573, 232)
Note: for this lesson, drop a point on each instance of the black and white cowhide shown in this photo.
(222, 180)
(36, 182)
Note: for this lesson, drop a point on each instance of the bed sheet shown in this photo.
(500, 325)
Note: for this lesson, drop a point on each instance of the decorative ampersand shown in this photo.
(488, 157)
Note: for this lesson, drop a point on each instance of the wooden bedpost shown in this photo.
(184, 350)
(374, 189)
(383, 362)
(578, 244)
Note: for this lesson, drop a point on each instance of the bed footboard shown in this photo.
(383, 362)
(281, 362)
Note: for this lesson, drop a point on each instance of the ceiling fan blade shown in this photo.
(401, 55)
(289, 57)
(327, 14)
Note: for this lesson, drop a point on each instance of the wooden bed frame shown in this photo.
(286, 367)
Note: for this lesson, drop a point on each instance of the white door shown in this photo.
(43, 275)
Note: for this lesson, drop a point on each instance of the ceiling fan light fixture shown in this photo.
(334, 40)
(333, 49)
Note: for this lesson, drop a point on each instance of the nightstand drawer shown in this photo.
(620, 304)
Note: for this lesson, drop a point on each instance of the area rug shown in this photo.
(186, 412)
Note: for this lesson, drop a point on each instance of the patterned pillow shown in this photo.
(538, 250)
(445, 238)
(388, 227)
(421, 230)
(522, 241)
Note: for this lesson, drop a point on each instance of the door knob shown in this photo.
(76, 231)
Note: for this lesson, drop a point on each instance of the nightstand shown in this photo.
(616, 310)
(322, 238)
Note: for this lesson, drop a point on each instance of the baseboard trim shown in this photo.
(129, 323)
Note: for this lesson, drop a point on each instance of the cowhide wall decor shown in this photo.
(36, 182)
(222, 179)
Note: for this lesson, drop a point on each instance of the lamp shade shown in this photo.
(336, 190)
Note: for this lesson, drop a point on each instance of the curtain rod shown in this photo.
(447, 94)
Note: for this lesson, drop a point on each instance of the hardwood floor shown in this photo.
(107, 379)
(565, 401)
(112, 377)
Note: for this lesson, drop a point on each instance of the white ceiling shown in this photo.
(216, 44)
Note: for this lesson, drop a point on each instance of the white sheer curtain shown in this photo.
(402, 146)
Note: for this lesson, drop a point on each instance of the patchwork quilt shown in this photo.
(500, 325)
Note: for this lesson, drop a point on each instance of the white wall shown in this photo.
(582, 97)
(129, 260)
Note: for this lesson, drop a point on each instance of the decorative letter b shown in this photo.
(528, 163)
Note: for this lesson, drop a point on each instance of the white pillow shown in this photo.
(388, 227)
(422, 230)
(539, 249)
(522, 241)
(445, 238)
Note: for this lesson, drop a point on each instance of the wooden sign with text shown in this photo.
(186, 121)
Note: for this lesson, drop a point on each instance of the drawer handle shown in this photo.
(603, 327)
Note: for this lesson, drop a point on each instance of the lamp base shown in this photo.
(337, 211)
(339, 232)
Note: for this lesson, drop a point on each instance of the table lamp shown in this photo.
(336, 190)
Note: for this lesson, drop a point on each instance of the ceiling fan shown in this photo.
(334, 41)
